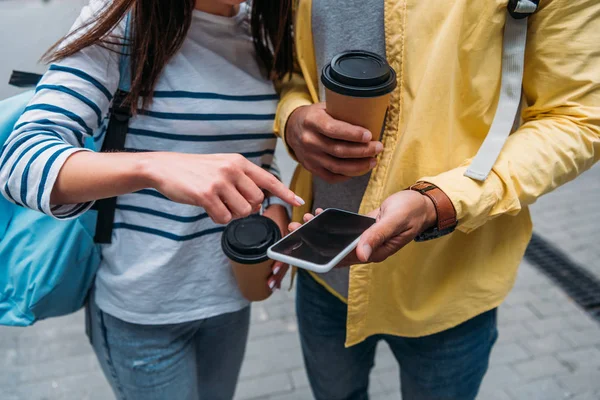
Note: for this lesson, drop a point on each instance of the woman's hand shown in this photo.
(278, 214)
(401, 217)
(227, 186)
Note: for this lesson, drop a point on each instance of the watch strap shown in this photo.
(446, 213)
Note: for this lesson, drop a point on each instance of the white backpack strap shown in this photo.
(513, 60)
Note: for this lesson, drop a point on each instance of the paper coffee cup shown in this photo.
(358, 85)
(245, 242)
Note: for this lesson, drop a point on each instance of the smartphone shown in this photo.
(320, 244)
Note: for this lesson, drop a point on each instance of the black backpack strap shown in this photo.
(114, 140)
(120, 113)
(22, 79)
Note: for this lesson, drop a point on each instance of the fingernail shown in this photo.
(367, 250)
(276, 270)
(373, 163)
(271, 285)
(378, 147)
(366, 136)
(299, 200)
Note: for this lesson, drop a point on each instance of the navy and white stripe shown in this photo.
(210, 99)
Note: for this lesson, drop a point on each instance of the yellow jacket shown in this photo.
(448, 60)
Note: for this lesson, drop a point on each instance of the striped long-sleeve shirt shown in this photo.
(165, 263)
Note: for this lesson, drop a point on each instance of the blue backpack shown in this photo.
(47, 266)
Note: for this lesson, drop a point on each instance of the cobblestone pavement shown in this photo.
(548, 348)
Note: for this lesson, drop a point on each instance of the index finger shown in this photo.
(267, 181)
(340, 130)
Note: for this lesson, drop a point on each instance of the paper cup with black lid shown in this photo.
(245, 242)
(358, 85)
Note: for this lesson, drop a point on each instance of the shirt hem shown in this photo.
(353, 338)
(170, 318)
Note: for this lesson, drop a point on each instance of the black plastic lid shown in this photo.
(246, 240)
(359, 73)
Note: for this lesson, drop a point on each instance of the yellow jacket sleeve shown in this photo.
(560, 136)
(293, 93)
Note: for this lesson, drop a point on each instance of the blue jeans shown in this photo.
(449, 365)
(187, 361)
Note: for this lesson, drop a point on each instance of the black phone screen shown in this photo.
(323, 238)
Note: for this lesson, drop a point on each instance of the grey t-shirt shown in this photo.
(359, 25)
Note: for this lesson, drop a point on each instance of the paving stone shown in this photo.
(267, 385)
(546, 290)
(546, 344)
(299, 378)
(540, 367)
(499, 377)
(376, 386)
(283, 341)
(582, 358)
(543, 327)
(277, 300)
(517, 297)
(271, 360)
(587, 337)
(92, 391)
(582, 322)
(390, 380)
(100, 393)
(493, 394)
(52, 369)
(521, 312)
(543, 389)
(587, 396)
(60, 388)
(513, 332)
(259, 313)
(39, 351)
(581, 381)
(534, 282)
(281, 310)
(301, 394)
(384, 358)
(272, 328)
(552, 308)
(52, 329)
(386, 396)
(508, 353)
(8, 338)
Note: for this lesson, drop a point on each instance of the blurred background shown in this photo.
(549, 345)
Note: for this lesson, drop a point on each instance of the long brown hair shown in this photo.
(158, 29)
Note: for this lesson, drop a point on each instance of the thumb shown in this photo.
(373, 238)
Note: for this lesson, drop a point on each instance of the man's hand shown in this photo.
(400, 219)
(332, 150)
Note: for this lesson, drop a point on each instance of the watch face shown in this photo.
(434, 233)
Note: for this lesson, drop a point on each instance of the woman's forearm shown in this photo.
(88, 176)
(226, 185)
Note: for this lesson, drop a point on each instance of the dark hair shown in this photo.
(158, 29)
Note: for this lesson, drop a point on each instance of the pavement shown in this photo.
(548, 348)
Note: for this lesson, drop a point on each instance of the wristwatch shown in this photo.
(446, 214)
